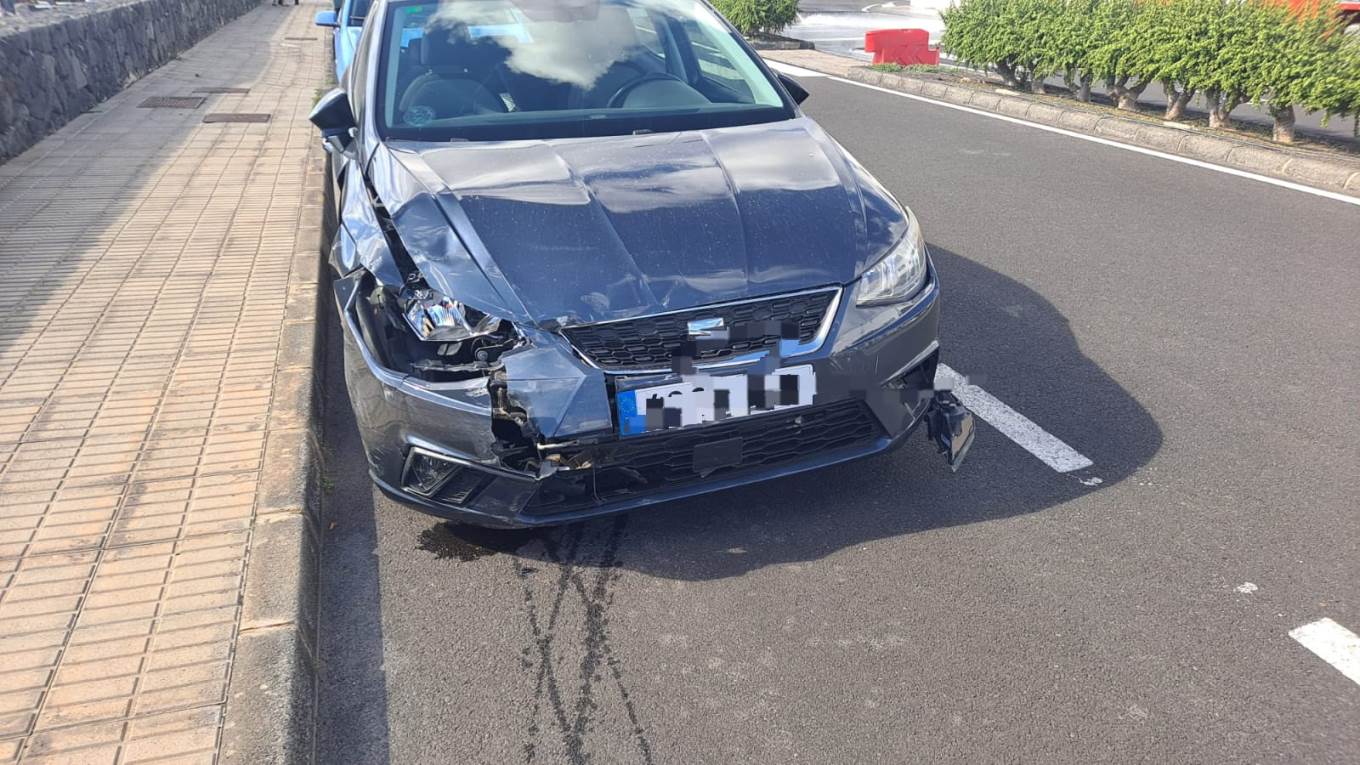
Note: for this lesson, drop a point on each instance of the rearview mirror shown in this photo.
(796, 91)
(333, 115)
(327, 19)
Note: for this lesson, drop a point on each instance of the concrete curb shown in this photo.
(271, 698)
(1300, 166)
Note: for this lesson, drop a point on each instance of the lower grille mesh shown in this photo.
(646, 464)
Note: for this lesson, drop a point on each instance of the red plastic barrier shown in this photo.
(901, 46)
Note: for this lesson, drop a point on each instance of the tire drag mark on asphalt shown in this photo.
(597, 642)
(596, 599)
(542, 641)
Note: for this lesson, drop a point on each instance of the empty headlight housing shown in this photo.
(899, 274)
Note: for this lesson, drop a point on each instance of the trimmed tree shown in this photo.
(1302, 51)
(973, 35)
(1005, 35)
(1113, 55)
(755, 16)
(1336, 86)
(1190, 44)
(1071, 44)
(1227, 77)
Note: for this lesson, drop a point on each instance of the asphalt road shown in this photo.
(1193, 333)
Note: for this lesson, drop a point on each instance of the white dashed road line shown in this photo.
(1332, 643)
(1332, 195)
(1015, 426)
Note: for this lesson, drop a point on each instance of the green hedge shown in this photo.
(1230, 51)
(751, 16)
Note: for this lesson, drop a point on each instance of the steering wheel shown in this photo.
(628, 87)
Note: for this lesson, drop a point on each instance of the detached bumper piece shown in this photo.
(950, 425)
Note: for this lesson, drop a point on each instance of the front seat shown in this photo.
(457, 70)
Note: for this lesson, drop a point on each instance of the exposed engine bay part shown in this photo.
(515, 436)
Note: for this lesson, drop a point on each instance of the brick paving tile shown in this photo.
(147, 259)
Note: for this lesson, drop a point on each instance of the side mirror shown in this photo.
(327, 19)
(796, 91)
(333, 115)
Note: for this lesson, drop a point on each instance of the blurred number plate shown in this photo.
(704, 399)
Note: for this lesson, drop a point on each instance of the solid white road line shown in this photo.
(1333, 195)
(1332, 643)
(1017, 427)
(791, 70)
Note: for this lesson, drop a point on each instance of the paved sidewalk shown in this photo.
(146, 259)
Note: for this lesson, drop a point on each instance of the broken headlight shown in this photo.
(437, 318)
(899, 274)
(419, 331)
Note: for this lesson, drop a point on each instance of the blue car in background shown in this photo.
(347, 20)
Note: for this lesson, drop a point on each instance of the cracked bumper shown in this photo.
(874, 376)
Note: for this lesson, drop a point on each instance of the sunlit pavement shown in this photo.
(147, 257)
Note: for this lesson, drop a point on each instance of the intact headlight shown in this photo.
(899, 274)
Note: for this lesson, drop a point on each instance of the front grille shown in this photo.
(651, 342)
(645, 464)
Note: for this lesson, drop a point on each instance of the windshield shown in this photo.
(358, 9)
(501, 69)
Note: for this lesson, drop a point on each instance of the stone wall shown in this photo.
(57, 64)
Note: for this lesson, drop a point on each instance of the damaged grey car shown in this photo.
(591, 256)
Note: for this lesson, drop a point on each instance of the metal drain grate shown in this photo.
(236, 117)
(302, 38)
(172, 102)
(226, 91)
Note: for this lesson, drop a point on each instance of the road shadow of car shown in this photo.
(1000, 333)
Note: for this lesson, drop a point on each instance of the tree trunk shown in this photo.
(1176, 100)
(1084, 92)
(1127, 95)
(1007, 71)
(1221, 106)
(1284, 122)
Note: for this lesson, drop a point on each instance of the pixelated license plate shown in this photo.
(704, 399)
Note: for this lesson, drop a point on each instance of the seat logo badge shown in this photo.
(704, 327)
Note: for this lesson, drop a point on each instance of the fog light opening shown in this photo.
(427, 473)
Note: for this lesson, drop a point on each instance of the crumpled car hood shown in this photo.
(591, 229)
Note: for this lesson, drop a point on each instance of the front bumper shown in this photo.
(874, 372)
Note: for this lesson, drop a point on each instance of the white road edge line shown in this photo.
(791, 70)
(1015, 426)
(1333, 195)
(1332, 643)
